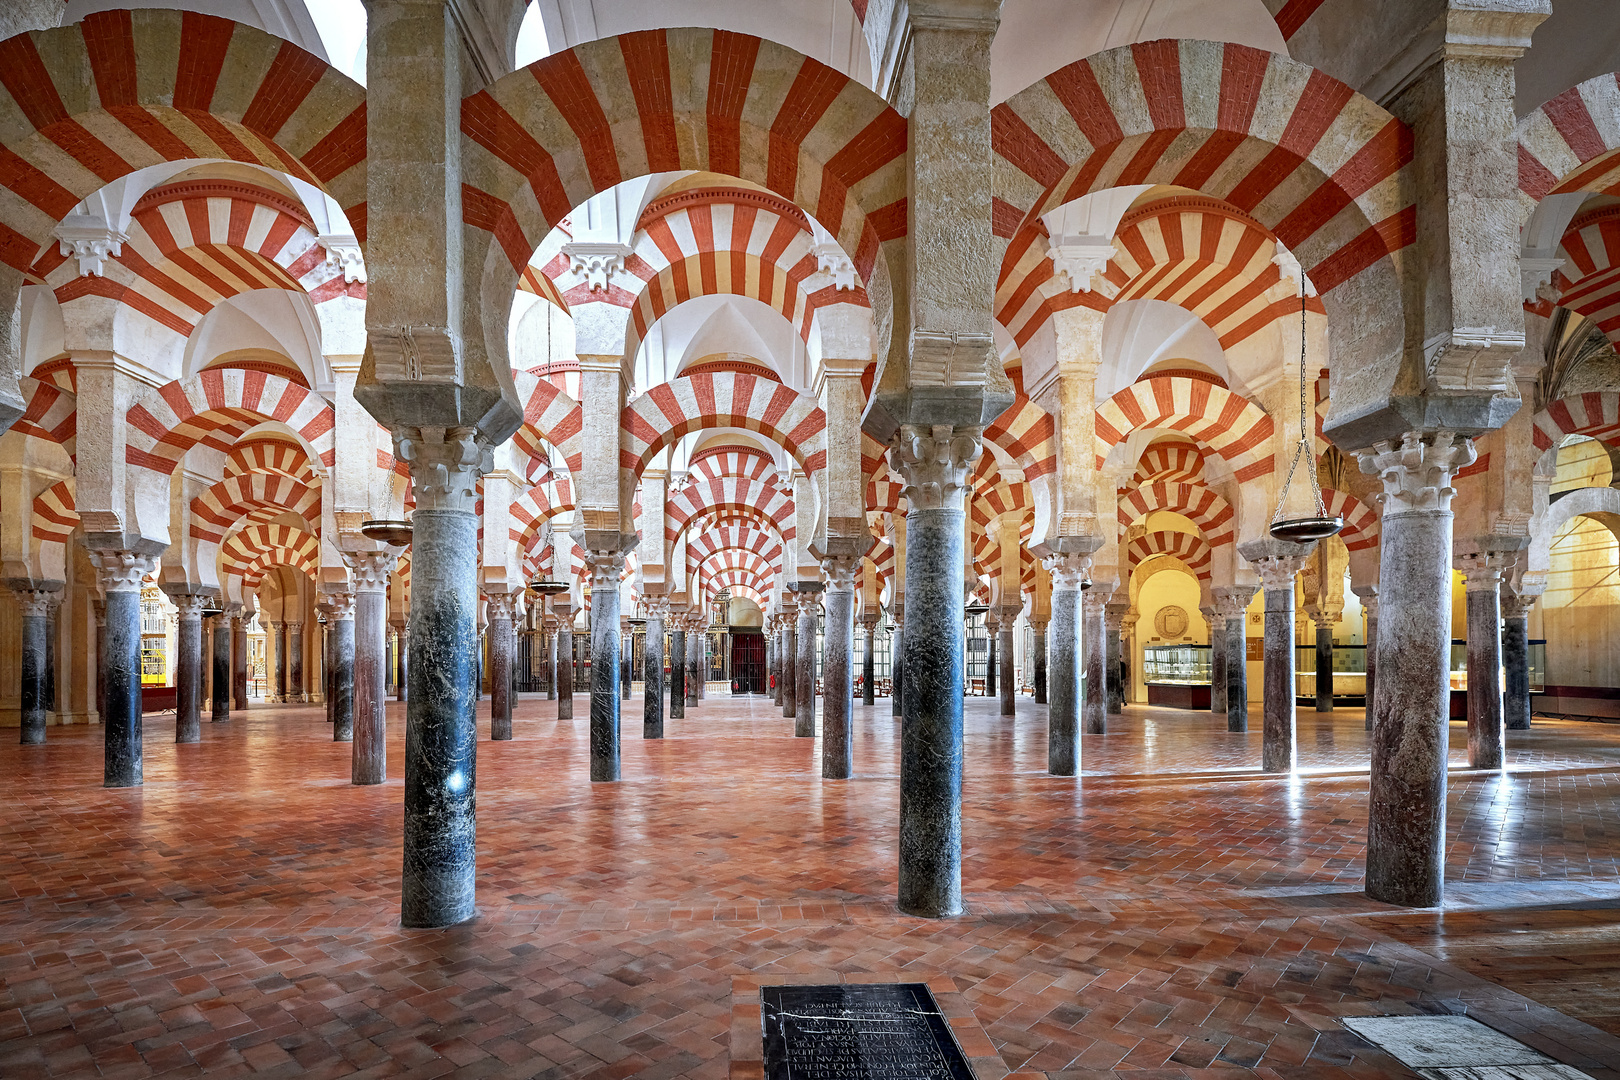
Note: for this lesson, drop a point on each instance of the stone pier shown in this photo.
(340, 625)
(500, 607)
(1094, 640)
(606, 568)
(838, 669)
(122, 572)
(188, 667)
(652, 685)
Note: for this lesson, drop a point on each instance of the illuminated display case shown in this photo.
(1349, 671)
(1177, 675)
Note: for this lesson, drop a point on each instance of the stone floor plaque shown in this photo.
(855, 1031)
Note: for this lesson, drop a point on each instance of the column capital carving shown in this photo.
(341, 605)
(189, 605)
(370, 569)
(445, 464)
(122, 570)
(500, 605)
(1482, 570)
(1232, 601)
(809, 604)
(657, 607)
(1069, 569)
(1276, 561)
(1515, 606)
(933, 463)
(605, 567)
(1417, 473)
(32, 603)
(841, 571)
(869, 623)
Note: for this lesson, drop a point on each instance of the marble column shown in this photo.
(1278, 562)
(1009, 669)
(897, 666)
(1113, 626)
(1368, 595)
(275, 659)
(402, 637)
(340, 655)
(188, 667)
(606, 567)
(933, 464)
(53, 605)
(790, 667)
(222, 668)
(1324, 661)
(295, 662)
(838, 669)
(804, 716)
(121, 574)
(696, 660)
(869, 660)
(1482, 568)
(565, 668)
(1094, 640)
(1516, 660)
(1232, 605)
(500, 607)
(652, 684)
(1217, 660)
(677, 668)
(31, 605)
(549, 645)
(239, 660)
(369, 572)
(626, 651)
(1068, 636)
(992, 650)
(1039, 661)
(1406, 807)
(441, 732)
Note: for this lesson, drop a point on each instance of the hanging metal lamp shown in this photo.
(1303, 530)
(389, 531)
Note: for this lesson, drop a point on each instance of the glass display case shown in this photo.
(1177, 675)
(1349, 672)
(1538, 665)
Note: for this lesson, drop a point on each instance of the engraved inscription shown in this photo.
(853, 1031)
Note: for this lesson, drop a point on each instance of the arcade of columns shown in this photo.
(491, 267)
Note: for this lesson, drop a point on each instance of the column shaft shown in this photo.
(1372, 666)
(1009, 670)
(34, 631)
(295, 662)
(370, 760)
(804, 716)
(565, 671)
(838, 677)
(897, 669)
(239, 659)
(696, 661)
(869, 666)
(677, 672)
(188, 670)
(1486, 737)
(1063, 683)
(1324, 669)
(1094, 639)
(1277, 751)
(341, 653)
(1217, 665)
(1040, 662)
(1237, 673)
(605, 568)
(401, 653)
(500, 677)
(790, 671)
(121, 575)
(1516, 660)
(222, 669)
(1116, 662)
(652, 685)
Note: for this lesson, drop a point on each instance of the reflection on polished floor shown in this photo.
(1173, 910)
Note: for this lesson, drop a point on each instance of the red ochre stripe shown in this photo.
(292, 75)
(1077, 88)
(731, 70)
(646, 58)
(204, 41)
(813, 91)
(564, 81)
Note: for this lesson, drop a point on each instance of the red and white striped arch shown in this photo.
(1190, 251)
(755, 547)
(542, 140)
(1209, 511)
(1361, 524)
(249, 552)
(715, 462)
(55, 516)
(86, 104)
(722, 399)
(269, 456)
(251, 497)
(1595, 414)
(1590, 280)
(1571, 143)
(192, 245)
(1318, 165)
(535, 507)
(1028, 434)
(1170, 462)
(739, 243)
(1212, 416)
(884, 495)
(213, 408)
(549, 414)
(1190, 549)
(761, 498)
(49, 413)
(741, 583)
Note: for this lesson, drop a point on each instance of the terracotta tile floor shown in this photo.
(1173, 912)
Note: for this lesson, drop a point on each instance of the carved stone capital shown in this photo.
(933, 464)
(1515, 606)
(1417, 473)
(445, 465)
(370, 569)
(122, 570)
(606, 567)
(841, 571)
(500, 605)
(32, 603)
(1068, 569)
(189, 605)
(1232, 601)
(89, 241)
(1482, 570)
(341, 605)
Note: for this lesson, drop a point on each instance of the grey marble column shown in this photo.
(933, 463)
(565, 669)
(1114, 623)
(1406, 807)
(402, 649)
(122, 572)
(652, 684)
(1324, 664)
(1039, 660)
(775, 685)
(626, 650)
(31, 605)
(1482, 568)
(1217, 660)
(222, 668)
(869, 661)
(838, 669)
(1369, 603)
(441, 731)
(1516, 660)
(697, 673)
(1067, 636)
(1232, 605)
(790, 666)
(804, 668)
(239, 660)
(1278, 563)
(275, 660)
(369, 572)
(606, 567)
(1094, 642)
(53, 606)
(1009, 669)
(549, 648)
(295, 662)
(992, 647)
(99, 607)
(677, 668)
(188, 667)
(500, 610)
(340, 627)
(897, 667)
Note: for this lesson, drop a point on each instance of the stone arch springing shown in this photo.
(1571, 143)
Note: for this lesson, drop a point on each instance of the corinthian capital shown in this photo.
(500, 605)
(841, 571)
(123, 571)
(371, 569)
(445, 465)
(1417, 474)
(933, 463)
(605, 567)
